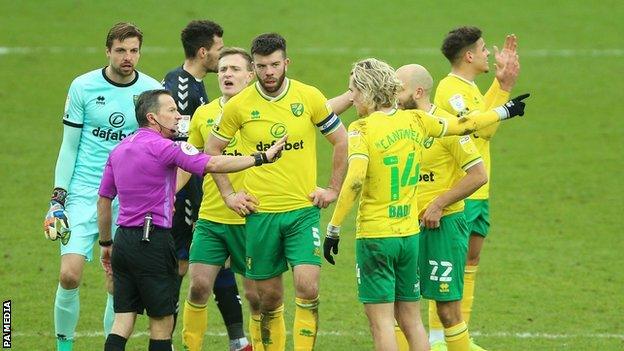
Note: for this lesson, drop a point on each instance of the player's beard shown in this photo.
(122, 73)
(409, 104)
(212, 66)
(277, 86)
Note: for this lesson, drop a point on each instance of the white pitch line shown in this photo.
(27, 50)
(519, 335)
(515, 335)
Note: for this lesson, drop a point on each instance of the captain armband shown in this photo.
(329, 124)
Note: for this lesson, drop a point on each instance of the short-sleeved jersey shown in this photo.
(444, 161)
(262, 120)
(141, 171)
(459, 97)
(189, 93)
(105, 112)
(392, 144)
(212, 207)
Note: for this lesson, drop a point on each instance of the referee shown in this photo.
(141, 170)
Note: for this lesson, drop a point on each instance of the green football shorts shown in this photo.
(214, 242)
(275, 240)
(442, 258)
(477, 214)
(387, 269)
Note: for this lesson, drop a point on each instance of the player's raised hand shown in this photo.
(322, 197)
(241, 203)
(509, 52)
(332, 238)
(507, 63)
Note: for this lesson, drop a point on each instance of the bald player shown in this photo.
(451, 170)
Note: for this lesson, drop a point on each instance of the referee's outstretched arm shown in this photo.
(227, 164)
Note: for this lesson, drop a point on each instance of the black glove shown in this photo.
(332, 238)
(330, 245)
(515, 106)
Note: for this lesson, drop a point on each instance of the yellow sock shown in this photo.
(306, 324)
(470, 273)
(194, 325)
(254, 332)
(457, 338)
(273, 330)
(434, 320)
(400, 337)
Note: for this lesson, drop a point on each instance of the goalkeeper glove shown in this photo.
(512, 108)
(56, 224)
(332, 238)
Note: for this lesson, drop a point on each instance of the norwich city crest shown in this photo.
(297, 109)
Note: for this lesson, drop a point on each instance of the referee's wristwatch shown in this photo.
(106, 243)
(260, 158)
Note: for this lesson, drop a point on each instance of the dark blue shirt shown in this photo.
(188, 93)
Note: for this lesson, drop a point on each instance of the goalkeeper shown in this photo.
(95, 120)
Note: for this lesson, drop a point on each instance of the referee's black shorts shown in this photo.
(144, 274)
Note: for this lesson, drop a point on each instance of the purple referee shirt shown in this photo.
(141, 170)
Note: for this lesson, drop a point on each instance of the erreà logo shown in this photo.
(255, 114)
(278, 130)
(297, 109)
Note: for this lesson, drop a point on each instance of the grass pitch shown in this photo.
(550, 277)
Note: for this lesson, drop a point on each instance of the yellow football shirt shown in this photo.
(261, 119)
(460, 97)
(444, 161)
(212, 207)
(392, 144)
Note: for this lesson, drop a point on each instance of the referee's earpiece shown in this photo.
(161, 126)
